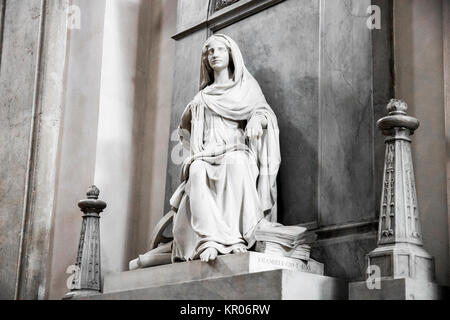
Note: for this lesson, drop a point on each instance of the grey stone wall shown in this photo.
(31, 86)
(78, 139)
(116, 126)
(51, 168)
(446, 29)
(17, 87)
(419, 80)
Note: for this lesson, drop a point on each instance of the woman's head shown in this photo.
(216, 55)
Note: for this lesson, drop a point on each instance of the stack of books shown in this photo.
(287, 241)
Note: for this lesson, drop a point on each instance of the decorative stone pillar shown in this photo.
(399, 253)
(87, 276)
(399, 268)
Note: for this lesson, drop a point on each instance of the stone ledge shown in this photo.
(226, 265)
(267, 285)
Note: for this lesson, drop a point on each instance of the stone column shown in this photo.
(87, 277)
(399, 268)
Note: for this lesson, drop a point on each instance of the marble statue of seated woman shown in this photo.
(228, 183)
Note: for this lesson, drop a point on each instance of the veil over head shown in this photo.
(241, 99)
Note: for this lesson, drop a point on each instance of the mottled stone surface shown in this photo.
(346, 164)
(285, 63)
(345, 257)
(268, 285)
(44, 162)
(17, 87)
(398, 289)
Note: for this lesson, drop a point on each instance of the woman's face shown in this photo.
(218, 56)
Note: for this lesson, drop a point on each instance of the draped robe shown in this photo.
(228, 184)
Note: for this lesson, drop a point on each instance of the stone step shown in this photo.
(266, 285)
(224, 266)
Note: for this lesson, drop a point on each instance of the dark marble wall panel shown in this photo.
(281, 50)
(346, 164)
(321, 69)
(186, 86)
(344, 257)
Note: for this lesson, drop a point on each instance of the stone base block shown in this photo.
(397, 289)
(226, 265)
(249, 275)
(267, 285)
(402, 260)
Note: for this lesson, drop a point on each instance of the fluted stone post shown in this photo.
(87, 277)
(399, 268)
(399, 253)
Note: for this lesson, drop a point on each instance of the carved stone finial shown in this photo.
(397, 106)
(397, 118)
(92, 204)
(87, 276)
(93, 192)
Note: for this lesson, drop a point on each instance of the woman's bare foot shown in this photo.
(240, 249)
(209, 254)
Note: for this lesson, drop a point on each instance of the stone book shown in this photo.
(301, 252)
(287, 236)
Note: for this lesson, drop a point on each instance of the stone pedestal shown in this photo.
(402, 260)
(249, 275)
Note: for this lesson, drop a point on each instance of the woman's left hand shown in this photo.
(254, 129)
